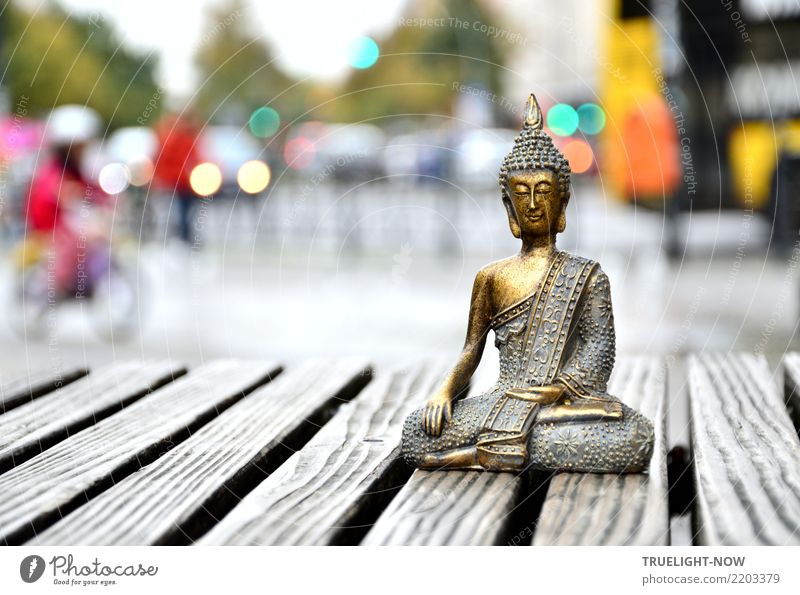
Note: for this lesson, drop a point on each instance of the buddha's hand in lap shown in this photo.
(438, 409)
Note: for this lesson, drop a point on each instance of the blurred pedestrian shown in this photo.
(177, 157)
(61, 199)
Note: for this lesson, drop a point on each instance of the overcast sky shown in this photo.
(309, 37)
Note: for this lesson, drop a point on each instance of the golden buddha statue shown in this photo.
(554, 327)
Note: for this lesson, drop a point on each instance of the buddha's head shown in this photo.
(534, 180)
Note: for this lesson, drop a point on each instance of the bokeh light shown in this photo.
(205, 179)
(591, 118)
(299, 153)
(140, 170)
(363, 53)
(253, 176)
(562, 119)
(579, 154)
(264, 122)
(113, 178)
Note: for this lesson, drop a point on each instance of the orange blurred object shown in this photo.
(580, 156)
(650, 163)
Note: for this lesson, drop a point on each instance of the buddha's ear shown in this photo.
(512, 217)
(561, 224)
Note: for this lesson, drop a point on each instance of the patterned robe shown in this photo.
(561, 334)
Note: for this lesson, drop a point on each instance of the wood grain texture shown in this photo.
(448, 508)
(451, 507)
(746, 454)
(41, 490)
(162, 501)
(791, 386)
(328, 490)
(31, 428)
(22, 388)
(607, 509)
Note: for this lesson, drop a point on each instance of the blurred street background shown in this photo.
(259, 179)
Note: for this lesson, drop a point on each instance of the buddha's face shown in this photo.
(537, 201)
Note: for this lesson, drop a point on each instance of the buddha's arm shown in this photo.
(440, 405)
(588, 365)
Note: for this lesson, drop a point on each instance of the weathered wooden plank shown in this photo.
(606, 509)
(174, 498)
(746, 454)
(791, 386)
(31, 428)
(451, 507)
(55, 482)
(448, 508)
(25, 387)
(333, 488)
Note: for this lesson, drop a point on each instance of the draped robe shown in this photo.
(563, 333)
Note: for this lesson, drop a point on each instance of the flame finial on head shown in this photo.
(534, 149)
(533, 114)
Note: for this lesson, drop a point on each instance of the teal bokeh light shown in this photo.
(364, 53)
(591, 118)
(562, 119)
(264, 122)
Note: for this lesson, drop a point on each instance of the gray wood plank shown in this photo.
(333, 488)
(22, 388)
(31, 428)
(791, 386)
(449, 508)
(606, 509)
(746, 454)
(172, 499)
(55, 482)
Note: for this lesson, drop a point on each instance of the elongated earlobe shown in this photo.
(561, 225)
(512, 218)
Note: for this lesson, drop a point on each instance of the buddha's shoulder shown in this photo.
(489, 273)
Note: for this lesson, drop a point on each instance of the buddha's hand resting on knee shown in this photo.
(438, 409)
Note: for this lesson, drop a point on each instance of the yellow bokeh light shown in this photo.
(253, 176)
(205, 179)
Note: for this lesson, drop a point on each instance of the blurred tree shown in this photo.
(419, 64)
(237, 71)
(53, 58)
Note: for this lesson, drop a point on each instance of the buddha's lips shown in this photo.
(534, 216)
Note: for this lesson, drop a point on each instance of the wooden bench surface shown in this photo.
(218, 462)
(791, 386)
(327, 492)
(214, 457)
(27, 386)
(31, 428)
(51, 484)
(449, 508)
(746, 454)
(474, 508)
(630, 509)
